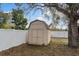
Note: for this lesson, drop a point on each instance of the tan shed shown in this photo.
(38, 33)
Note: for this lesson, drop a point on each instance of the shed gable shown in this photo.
(38, 24)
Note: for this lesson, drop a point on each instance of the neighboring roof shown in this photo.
(39, 21)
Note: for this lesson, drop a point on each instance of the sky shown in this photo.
(7, 7)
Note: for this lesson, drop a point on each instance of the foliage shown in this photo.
(18, 19)
(3, 19)
(5, 26)
(48, 11)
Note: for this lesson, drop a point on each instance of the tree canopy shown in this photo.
(18, 19)
(71, 11)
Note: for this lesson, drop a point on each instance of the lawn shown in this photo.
(57, 47)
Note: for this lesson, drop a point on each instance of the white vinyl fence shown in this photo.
(59, 34)
(10, 38)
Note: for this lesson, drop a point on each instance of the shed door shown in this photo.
(38, 36)
(34, 36)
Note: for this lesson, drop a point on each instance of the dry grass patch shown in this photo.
(57, 47)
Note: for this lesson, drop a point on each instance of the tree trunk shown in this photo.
(73, 34)
(69, 34)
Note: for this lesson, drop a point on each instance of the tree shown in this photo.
(18, 19)
(3, 20)
(71, 11)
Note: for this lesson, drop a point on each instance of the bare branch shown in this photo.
(58, 8)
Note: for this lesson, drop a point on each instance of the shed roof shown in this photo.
(39, 21)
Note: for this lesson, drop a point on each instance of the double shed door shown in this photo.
(38, 36)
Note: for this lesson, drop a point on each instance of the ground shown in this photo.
(57, 47)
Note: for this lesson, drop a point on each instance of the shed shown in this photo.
(38, 33)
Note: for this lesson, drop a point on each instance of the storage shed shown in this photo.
(38, 33)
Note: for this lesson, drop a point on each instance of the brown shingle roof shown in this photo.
(39, 21)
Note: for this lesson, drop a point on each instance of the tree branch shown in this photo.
(58, 8)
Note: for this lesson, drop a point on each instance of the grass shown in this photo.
(57, 47)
